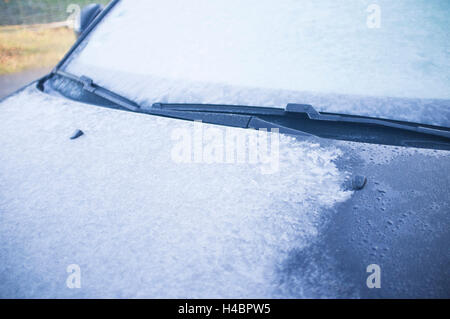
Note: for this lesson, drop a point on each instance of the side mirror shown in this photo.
(87, 15)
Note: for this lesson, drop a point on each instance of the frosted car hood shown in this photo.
(141, 225)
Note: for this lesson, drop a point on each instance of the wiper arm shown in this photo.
(90, 86)
(298, 119)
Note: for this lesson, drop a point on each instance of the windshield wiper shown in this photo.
(298, 119)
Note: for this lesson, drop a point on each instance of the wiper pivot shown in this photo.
(91, 87)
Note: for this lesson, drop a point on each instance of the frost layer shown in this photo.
(138, 224)
(261, 53)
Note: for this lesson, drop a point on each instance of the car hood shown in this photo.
(140, 224)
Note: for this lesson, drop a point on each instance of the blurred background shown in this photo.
(34, 36)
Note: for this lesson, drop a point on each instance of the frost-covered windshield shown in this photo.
(271, 52)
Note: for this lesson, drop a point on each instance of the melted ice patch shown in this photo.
(385, 154)
(138, 224)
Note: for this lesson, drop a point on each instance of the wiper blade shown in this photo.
(298, 119)
(307, 110)
(303, 119)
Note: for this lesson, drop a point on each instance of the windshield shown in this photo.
(337, 55)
